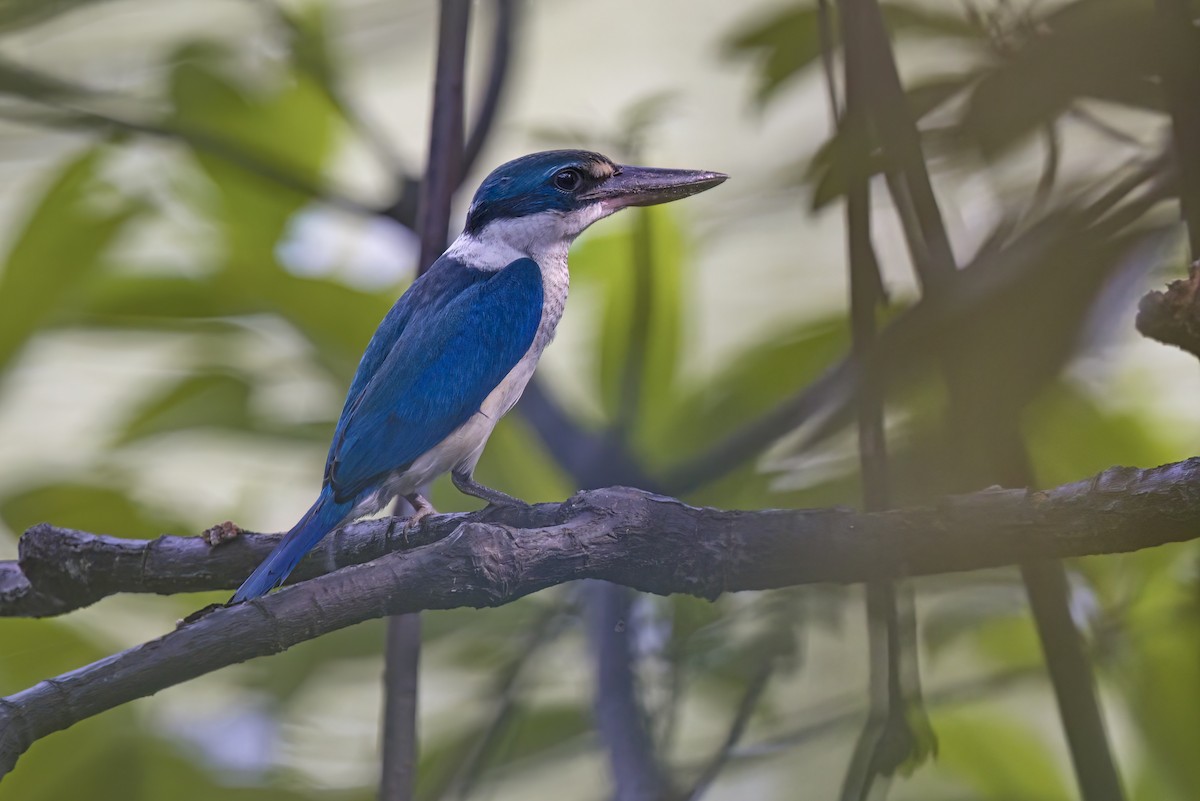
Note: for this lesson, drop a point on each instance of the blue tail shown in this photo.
(316, 523)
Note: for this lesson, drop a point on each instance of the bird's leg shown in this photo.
(469, 486)
(422, 509)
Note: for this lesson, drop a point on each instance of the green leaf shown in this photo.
(89, 507)
(23, 82)
(639, 273)
(204, 400)
(1071, 435)
(17, 14)
(157, 301)
(55, 252)
(211, 104)
(838, 163)
(754, 381)
(997, 758)
(966, 615)
(337, 319)
(787, 42)
(100, 754)
(1157, 665)
(35, 649)
(784, 44)
(1102, 49)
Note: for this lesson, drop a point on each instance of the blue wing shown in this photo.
(450, 345)
(440, 284)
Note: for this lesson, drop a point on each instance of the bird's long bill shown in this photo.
(646, 186)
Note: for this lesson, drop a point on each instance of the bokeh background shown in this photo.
(202, 219)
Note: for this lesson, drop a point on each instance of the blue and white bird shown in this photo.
(456, 351)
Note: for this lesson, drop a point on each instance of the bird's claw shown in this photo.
(414, 520)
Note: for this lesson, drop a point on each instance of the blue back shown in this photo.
(440, 351)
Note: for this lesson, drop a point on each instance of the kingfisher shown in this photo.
(456, 350)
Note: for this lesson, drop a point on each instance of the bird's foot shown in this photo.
(221, 532)
(422, 509)
(469, 486)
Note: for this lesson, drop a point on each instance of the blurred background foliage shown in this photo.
(203, 214)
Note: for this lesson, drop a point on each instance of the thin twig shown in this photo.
(746, 707)
(540, 633)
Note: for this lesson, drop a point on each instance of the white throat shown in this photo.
(543, 237)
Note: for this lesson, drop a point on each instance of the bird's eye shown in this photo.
(567, 180)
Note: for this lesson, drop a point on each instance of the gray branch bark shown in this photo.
(649, 542)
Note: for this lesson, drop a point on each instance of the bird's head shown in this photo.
(539, 203)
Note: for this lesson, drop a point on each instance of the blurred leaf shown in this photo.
(209, 101)
(151, 301)
(101, 754)
(89, 507)
(787, 42)
(533, 732)
(784, 44)
(170, 771)
(752, 382)
(338, 320)
(485, 638)
(24, 82)
(282, 676)
(1158, 667)
(1071, 435)
(966, 613)
(999, 759)
(208, 399)
(67, 233)
(35, 649)
(1087, 49)
(17, 14)
(538, 729)
(660, 251)
(604, 263)
(312, 49)
(927, 19)
(837, 164)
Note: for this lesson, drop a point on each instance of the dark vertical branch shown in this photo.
(620, 718)
(886, 740)
(444, 167)
(442, 173)
(507, 18)
(1001, 448)
(401, 661)
(900, 139)
(1181, 83)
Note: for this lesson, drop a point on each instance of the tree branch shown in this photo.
(704, 551)
(648, 542)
